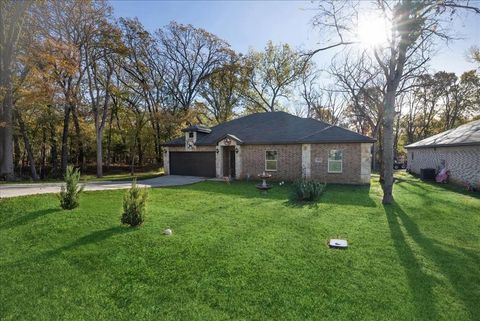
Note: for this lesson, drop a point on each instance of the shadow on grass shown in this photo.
(301, 204)
(243, 189)
(25, 219)
(456, 265)
(432, 185)
(95, 237)
(355, 195)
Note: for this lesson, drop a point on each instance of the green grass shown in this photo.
(239, 255)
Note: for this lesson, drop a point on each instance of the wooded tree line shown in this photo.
(427, 103)
(81, 87)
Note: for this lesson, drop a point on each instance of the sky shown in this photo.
(250, 24)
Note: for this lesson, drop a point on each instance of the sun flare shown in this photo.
(373, 31)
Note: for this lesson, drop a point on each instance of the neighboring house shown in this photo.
(286, 146)
(456, 149)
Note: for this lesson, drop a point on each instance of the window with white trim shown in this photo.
(335, 161)
(271, 160)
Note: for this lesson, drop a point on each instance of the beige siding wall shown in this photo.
(462, 161)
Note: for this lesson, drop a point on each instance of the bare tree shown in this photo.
(100, 50)
(190, 55)
(222, 90)
(413, 26)
(144, 74)
(272, 74)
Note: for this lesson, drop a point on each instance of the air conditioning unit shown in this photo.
(427, 173)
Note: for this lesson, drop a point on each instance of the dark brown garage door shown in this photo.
(193, 164)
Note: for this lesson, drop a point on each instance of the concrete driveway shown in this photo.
(13, 190)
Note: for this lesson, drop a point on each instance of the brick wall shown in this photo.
(462, 161)
(250, 161)
(289, 163)
(351, 171)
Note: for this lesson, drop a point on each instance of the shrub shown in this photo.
(306, 190)
(70, 192)
(134, 205)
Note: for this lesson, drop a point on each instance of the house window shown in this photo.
(190, 134)
(413, 155)
(335, 163)
(271, 160)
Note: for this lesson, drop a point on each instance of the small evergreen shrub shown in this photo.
(306, 191)
(134, 205)
(70, 192)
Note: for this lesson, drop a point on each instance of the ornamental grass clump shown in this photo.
(134, 203)
(306, 191)
(70, 192)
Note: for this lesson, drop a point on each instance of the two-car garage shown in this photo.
(192, 163)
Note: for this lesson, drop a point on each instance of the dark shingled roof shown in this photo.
(277, 128)
(467, 134)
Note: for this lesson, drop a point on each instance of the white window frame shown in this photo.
(335, 161)
(271, 160)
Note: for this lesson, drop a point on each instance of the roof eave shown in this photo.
(443, 145)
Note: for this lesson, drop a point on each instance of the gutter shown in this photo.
(443, 145)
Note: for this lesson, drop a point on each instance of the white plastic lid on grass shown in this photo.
(338, 244)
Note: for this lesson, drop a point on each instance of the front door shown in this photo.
(232, 163)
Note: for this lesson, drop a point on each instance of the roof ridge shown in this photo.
(319, 131)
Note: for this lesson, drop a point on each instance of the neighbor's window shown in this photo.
(271, 160)
(335, 164)
(190, 134)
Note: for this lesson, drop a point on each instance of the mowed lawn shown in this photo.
(239, 255)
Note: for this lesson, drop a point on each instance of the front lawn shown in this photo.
(239, 255)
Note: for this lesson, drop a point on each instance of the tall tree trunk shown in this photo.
(66, 125)
(6, 130)
(53, 150)
(109, 140)
(140, 151)
(16, 152)
(28, 146)
(81, 153)
(388, 120)
(99, 138)
(43, 154)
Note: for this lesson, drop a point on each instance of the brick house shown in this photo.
(456, 149)
(286, 146)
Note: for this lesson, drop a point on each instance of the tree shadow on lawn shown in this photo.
(429, 196)
(25, 219)
(350, 195)
(432, 186)
(338, 194)
(460, 269)
(94, 237)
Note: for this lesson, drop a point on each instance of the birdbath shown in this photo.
(264, 187)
